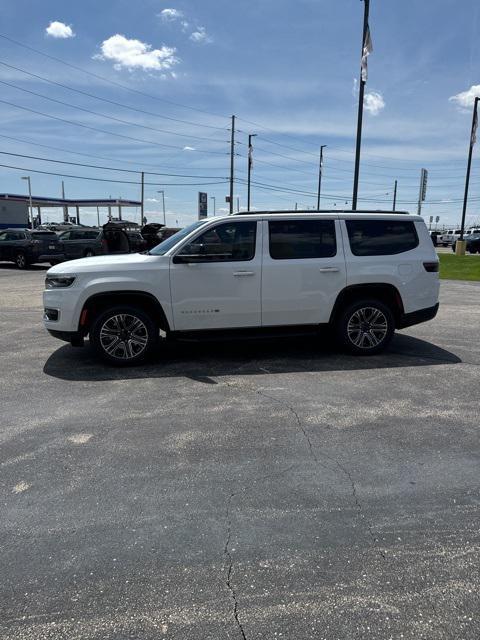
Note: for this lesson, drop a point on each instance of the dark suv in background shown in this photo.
(25, 246)
(83, 242)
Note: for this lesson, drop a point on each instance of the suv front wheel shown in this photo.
(366, 327)
(123, 335)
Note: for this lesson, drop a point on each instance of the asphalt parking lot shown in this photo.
(250, 491)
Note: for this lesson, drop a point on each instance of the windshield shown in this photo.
(162, 248)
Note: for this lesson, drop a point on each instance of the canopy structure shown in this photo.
(41, 201)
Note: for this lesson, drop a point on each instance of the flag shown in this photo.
(250, 156)
(474, 126)
(367, 50)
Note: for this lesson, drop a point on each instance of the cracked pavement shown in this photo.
(240, 491)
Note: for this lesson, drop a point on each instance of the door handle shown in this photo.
(329, 269)
(240, 274)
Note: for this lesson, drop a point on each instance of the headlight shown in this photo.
(59, 282)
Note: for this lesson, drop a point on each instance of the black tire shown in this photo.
(354, 327)
(116, 323)
(20, 260)
(88, 253)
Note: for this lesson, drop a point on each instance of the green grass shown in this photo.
(454, 267)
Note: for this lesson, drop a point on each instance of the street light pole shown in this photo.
(320, 171)
(395, 196)
(27, 178)
(232, 164)
(250, 163)
(163, 202)
(361, 95)
(214, 203)
(473, 139)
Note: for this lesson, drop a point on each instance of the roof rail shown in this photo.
(311, 211)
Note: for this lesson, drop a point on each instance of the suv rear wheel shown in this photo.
(123, 335)
(366, 327)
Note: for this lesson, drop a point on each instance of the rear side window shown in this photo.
(91, 235)
(297, 239)
(381, 237)
(48, 235)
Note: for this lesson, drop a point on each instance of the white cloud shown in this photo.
(170, 15)
(465, 99)
(134, 54)
(59, 30)
(200, 35)
(189, 148)
(374, 103)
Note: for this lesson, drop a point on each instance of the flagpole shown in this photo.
(473, 139)
(320, 172)
(361, 94)
(250, 162)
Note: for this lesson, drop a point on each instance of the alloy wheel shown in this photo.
(367, 327)
(123, 336)
(20, 261)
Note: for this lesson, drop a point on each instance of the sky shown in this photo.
(151, 86)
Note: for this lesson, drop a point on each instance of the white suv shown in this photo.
(364, 273)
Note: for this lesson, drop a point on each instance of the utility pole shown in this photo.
(238, 204)
(296, 206)
(214, 203)
(27, 178)
(366, 48)
(395, 196)
(473, 139)
(142, 198)
(98, 218)
(232, 164)
(320, 171)
(65, 208)
(163, 203)
(250, 164)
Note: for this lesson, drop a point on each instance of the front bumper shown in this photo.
(417, 317)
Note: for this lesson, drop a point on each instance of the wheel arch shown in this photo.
(386, 293)
(98, 302)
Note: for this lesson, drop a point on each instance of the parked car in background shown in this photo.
(472, 231)
(449, 237)
(83, 243)
(136, 242)
(25, 247)
(472, 243)
(154, 233)
(435, 235)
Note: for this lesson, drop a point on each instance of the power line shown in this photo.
(111, 133)
(96, 166)
(103, 115)
(114, 102)
(109, 81)
(90, 155)
(154, 184)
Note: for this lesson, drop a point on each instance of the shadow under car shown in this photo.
(205, 361)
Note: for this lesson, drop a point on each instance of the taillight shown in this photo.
(431, 267)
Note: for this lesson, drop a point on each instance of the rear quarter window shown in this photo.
(302, 239)
(381, 237)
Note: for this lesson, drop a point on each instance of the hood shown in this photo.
(104, 263)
